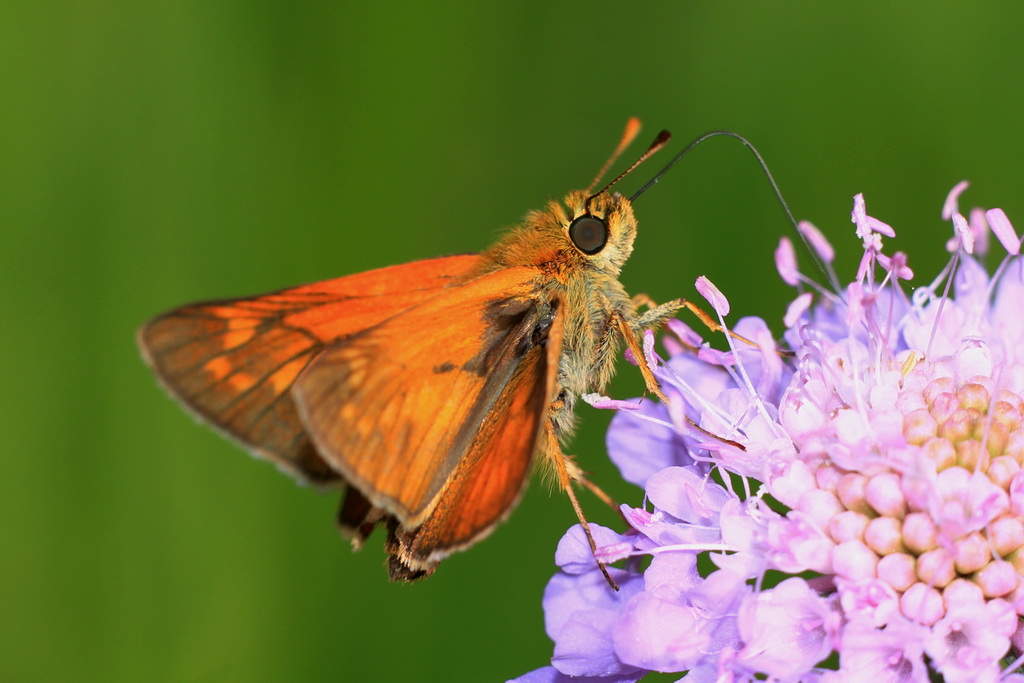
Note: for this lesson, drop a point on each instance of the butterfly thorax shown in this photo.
(585, 284)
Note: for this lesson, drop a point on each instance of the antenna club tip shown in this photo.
(659, 142)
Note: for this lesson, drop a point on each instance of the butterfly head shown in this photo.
(600, 228)
(588, 231)
(581, 233)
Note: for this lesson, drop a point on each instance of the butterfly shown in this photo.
(424, 391)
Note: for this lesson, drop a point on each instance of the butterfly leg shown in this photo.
(577, 474)
(659, 313)
(565, 469)
(562, 469)
(633, 343)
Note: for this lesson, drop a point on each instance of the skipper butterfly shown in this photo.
(425, 391)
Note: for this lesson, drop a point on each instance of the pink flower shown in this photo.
(852, 506)
(786, 630)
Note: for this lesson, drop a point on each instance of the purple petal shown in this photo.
(869, 601)
(567, 594)
(579, 613)
(892, 654)
(786, 630)
(970, 637)
(547, 674)
(574, 555)
(584, 645)
(671, 575)
(550, 674)
(721, 593)
(659, 635)
(971, 287)
(684, 494)
(640, 447)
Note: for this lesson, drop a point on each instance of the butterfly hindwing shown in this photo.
(490, 477)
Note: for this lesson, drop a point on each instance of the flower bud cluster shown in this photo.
(941, 505)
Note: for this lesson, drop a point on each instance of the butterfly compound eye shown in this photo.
(589, 234)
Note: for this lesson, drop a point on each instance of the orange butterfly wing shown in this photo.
(401, 408)
(234, 362)
(490, 477)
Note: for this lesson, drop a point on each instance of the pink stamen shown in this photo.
(1003, 230)
(685, 333)
(785, 262)
(949, 208)
(860, 216)
(713, 295)
(897, 265)
(979, 228)
(963, 229)
(604, 402)
(942, 304)
(649, 353)
(817, 240)
(797, 308)
(880, 227)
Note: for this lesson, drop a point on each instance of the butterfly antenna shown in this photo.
(660, 141)
(632, 130)
(764, 167)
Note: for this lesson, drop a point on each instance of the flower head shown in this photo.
(860, 515)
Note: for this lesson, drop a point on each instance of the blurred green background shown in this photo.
(157, 153)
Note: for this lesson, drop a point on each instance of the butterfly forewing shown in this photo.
(234, 362)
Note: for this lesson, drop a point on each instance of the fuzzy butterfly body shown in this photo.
(424, 390)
